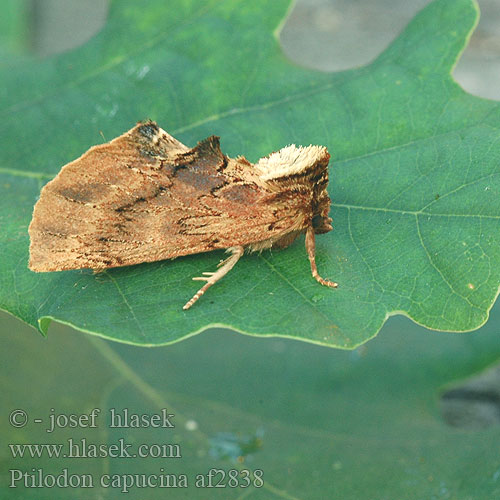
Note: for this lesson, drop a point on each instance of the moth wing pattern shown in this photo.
(145, 197)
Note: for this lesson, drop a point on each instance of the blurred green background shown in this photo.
(411, 414)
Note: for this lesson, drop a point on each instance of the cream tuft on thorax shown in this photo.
(289, 160)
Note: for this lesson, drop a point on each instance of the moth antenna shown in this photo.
(311, 253)
(225, 267)
(203, 278)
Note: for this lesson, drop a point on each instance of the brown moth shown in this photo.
(145, 197)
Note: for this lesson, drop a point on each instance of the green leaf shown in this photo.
(414, 175)
(14, 27)
(320, 423)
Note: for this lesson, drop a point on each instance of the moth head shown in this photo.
(302, 166)
(321, 221)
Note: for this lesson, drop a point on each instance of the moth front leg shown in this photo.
(212, 278)
(311, 252)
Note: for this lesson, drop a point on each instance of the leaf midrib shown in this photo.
(413, 212)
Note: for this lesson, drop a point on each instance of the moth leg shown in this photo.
(212, 278)
(311, 252)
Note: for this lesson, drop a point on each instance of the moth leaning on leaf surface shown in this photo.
(145, 197)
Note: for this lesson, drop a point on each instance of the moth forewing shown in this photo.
(145, 197)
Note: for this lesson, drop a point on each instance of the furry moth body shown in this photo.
(145, 197)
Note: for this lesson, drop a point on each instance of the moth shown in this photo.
(145, 197)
